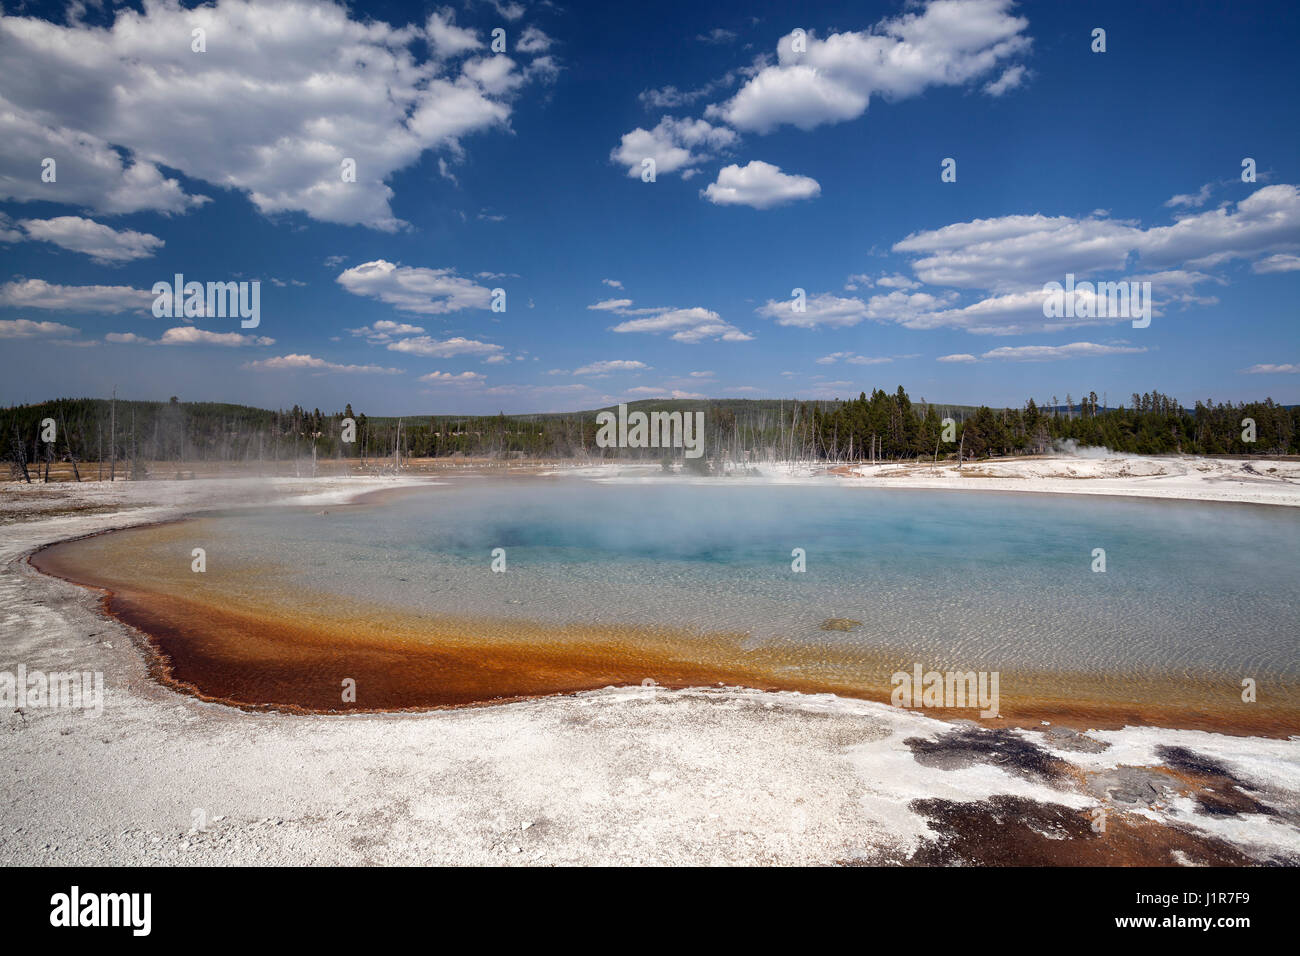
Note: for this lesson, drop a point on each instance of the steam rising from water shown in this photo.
(1071, 447)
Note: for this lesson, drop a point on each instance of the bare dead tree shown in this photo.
(112, 439)
(67, 439)
(20, 456)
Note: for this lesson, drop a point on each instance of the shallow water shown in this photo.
(970, 581)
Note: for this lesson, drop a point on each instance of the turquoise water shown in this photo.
(975, 580)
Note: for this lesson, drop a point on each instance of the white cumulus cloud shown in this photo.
(760, 185)
(311, 363)
(1290, 368)
(686, 325)
(675, 145)
(947, 43)
(411, 289)
(189, 335)
(30, 329)
(287, 90)
(103, 244)
(611, 365)
(430, 347)
(39, 294)
(452, 378)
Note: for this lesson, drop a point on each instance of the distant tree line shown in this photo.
(882, 425)
(129, 433)
(890, 426)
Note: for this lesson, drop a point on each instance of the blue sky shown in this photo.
(780, 163)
